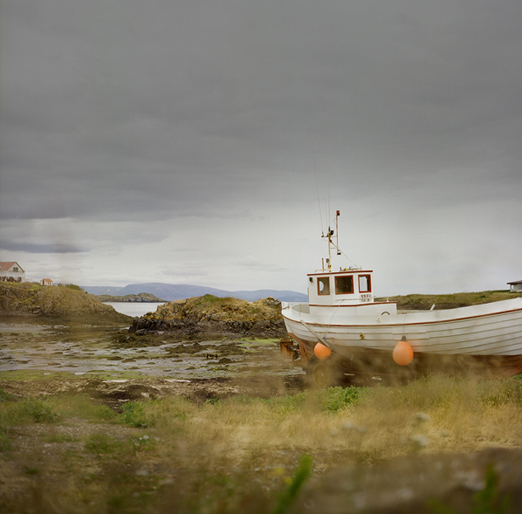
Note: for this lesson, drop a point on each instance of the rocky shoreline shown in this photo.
(202, 317)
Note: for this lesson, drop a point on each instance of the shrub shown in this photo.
(39, 411)
(100, 443)
(337, 398)
(26, 412)
(135, 415)
(73, 286)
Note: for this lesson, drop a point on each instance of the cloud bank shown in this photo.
(205, 142)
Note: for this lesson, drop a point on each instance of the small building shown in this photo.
(515, 286)
(11, 272)
(46, 282)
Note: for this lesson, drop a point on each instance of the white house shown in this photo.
(11, 272)
(46, 282)
(515, 286)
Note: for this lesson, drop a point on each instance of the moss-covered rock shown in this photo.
(204, 315)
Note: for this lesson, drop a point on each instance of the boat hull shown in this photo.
(481, 339)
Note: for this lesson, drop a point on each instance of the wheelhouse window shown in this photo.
(344, 285)
(365, 284)
(323, 285)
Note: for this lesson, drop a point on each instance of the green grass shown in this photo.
(210, 299)
(4, 396)
(40, 375)
(81, 406)
(259, 340)
(27, 411)
(337, 398)
(135, 414)
(5, 442)
(300, 476)
(101, 443)
(60, 438)
(32, 375)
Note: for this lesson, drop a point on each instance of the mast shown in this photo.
(329, 236)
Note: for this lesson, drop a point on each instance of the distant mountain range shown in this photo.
(171, 292)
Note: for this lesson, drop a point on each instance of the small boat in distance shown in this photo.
(344, 334)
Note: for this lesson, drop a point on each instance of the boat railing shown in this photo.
(301, 307)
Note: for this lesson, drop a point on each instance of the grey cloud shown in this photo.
(146, 113)
(13, 246)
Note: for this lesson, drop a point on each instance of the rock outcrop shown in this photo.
(59, 303)
(140, 298)
(210, 315)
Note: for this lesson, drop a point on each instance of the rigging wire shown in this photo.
(348, 258)
(327, 208)
(317, 186)
(327, 202)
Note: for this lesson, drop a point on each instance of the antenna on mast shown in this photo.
(329, 235)
(337, 214)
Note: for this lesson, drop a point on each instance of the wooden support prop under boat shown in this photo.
(288, 349)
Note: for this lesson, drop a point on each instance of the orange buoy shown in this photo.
(402, 353)
(321, 351)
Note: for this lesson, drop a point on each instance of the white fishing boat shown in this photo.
(344, 333)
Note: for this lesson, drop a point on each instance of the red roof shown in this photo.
(6, 266)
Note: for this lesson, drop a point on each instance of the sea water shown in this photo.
(135, 308)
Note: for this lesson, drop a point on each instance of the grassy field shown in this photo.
(64, 453)
(449, 301)
(99, 421)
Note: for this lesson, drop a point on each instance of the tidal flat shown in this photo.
(98, 420)
(114, 353)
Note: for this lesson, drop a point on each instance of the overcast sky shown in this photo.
(209, 142)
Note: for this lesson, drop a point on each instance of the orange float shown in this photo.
(402, 353)
(321, 351)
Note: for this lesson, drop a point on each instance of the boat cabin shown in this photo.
(346, 292)
(347, 286)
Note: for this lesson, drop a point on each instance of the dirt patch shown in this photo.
(115, 393)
